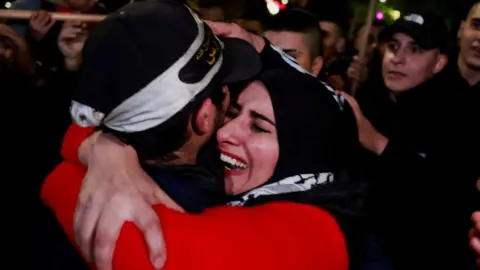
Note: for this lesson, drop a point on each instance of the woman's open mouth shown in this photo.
(232, 164)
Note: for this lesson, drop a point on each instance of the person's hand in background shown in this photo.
(475, 236)
(232, 30)
(368, 136)
(357, 72)
(14, 49)
(70, 42)
(40, 23)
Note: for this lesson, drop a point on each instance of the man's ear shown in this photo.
(317, 66)
(205, 117)
(442, 61)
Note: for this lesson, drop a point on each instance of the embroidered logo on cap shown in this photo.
(415, 18)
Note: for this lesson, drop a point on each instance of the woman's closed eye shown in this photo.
(256, 127)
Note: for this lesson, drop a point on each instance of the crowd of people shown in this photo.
(168, 135)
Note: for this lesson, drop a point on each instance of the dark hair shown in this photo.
(210, 4)
(331, 11)
(159, 143)
(255, 10)
(300, 21)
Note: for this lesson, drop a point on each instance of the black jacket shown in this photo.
(421, 186)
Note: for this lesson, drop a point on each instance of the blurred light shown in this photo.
(284, 2)
(273, 7)
(8, 5)
(395, 14)
(383, 1)
(379, 15)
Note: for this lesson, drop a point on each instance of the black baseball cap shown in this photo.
(149, 61)
(428, 29)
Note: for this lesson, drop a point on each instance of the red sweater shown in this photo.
(273, 236)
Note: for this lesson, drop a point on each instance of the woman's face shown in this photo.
(248, 141)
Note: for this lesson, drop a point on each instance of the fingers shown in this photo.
(86, 218)
(50, 23)
(35, 16)
(353, 103)
(41, 22)
(43, 18)
(475, 233)
(108, 228)
(121, 208)
(476, 217)
(70, 33)
(475, 244)
(40, 18)
(221, 28)
(147, 221)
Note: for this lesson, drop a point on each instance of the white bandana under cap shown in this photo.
(157, 102)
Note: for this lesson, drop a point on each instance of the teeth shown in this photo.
(233, 162)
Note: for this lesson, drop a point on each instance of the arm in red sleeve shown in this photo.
(273, 236)
(73, 139)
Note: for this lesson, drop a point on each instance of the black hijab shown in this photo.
(317, 138)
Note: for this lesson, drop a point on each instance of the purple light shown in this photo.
(379, 15)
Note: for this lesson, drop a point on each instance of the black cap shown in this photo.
(428, 29)
(147, 61)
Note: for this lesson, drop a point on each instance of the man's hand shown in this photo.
(475, 236)
(70, 42)
(368, 136)
(40, 23)
(232, 30)
(115, 190)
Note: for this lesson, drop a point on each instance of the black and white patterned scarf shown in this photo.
(297, 183)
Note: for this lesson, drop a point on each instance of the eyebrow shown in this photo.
(411, 42)
(290, 50)
(257, 115)
(253, 114)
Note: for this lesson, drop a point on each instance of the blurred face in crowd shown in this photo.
(406, 65)
(81, 5)
(14, 50)
(469, 35)
(333, 41)
(296, 45)
(248, 141)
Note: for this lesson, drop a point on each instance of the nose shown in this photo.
(399, 57)
(233, 132)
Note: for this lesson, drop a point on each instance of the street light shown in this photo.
(395, 14)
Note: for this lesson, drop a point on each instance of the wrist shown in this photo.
(112, 151)
(72, 63)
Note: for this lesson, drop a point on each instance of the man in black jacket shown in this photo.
(418, 163)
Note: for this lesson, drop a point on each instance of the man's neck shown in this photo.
(470, 75)
(181, 158)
